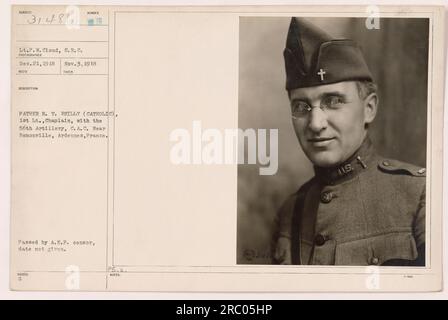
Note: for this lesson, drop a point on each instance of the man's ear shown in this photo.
(370, 107)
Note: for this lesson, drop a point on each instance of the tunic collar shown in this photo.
(357, 163)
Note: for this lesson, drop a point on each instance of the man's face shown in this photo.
(330, 135)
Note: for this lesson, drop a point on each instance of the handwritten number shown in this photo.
(33, 21)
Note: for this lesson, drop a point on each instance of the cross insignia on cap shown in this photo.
(321, 74)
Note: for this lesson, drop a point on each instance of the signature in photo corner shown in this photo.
(254, 254)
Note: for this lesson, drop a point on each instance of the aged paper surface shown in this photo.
(97, 202)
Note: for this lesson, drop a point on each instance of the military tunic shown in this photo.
(368, 211)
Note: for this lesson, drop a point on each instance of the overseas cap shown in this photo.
(313, 58)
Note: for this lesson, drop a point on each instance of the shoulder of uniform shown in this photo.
(392, 166)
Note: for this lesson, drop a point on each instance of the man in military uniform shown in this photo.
(359, 208)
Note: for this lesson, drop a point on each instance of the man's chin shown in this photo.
(324, 160)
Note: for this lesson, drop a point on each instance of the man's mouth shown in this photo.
(321, 141)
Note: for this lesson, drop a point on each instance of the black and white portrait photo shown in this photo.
(349, 101)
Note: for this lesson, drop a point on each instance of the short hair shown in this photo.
(365, 88)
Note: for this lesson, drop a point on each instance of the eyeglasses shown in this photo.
(301, 109)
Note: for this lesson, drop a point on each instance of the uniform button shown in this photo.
(386, 163)
(374, 261)
(326, 197)
(320, 240)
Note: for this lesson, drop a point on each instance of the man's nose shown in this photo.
(317, 120)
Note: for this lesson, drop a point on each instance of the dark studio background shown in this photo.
(397, 55)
